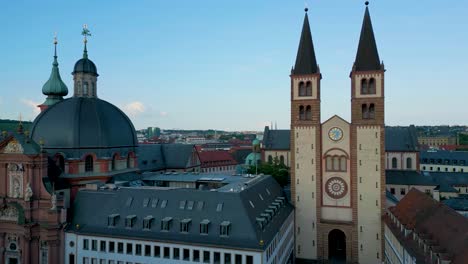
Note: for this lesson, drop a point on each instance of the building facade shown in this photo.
(338, 168)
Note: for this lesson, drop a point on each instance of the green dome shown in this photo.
(252, 157)
(255, 142)
(55, 86)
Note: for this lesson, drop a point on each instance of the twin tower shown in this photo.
(337, 168)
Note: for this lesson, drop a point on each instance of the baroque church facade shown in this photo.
(337, 167)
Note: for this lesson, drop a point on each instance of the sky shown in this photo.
(225, 64)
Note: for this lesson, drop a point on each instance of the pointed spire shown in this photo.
(367, 57)
(305, 59)
(54, 88)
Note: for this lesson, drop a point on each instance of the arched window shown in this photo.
(309, 88)
(308, 113)
(409, 163)
(85, 88)
(60, 162)
(89, 166)
(301, 113)
(129, 161)
(343, 164)
(93, 92)
(282, 160)
(114, 161)
(270, 159)
(372, 86)
(336, 163)
(78, 84)
(371, 111)
(302, 89)
(364, 87)
(365, 112)
(329, 162)
(394, 163)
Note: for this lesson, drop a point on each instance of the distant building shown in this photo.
(247, 221)
(421, 230)
(217, 161)
(436, 141)
(276, 146)
(444, 161)
(168, 158)
(401, 148)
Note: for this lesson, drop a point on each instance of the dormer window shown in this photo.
(130, 221)
(225, 228)
(112, 220)
(147, 222)
(89, 167)
(204, 226)
(261, 221)
(166, 224)
(185, 225)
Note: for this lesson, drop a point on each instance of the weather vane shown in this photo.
(86, 33)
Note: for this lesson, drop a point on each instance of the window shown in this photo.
(227, 258)
(164, 204)
(114, 161)
(402, 191)
(301, 113)
(364, 111)
(308, 89)
(94, 245)
(185, 225)
(112, 219)
(120, 247)
(147, 222)
(129, 248)
(217, 258)
(249, 259)
(182, 204)
(89, 167)
(130, 221)
(308, 113)
(392, 190)
(409, 163)
(196, 255)
(204, 226)
(166, 252)
(394, 163)
(129, 161)
(157, 251)
(166, 224)
(175, 253)
(190, 205)
(343, 163)
(111, 246)
(103, 246)
(364, 87)
(372, 86)
(219, 207)
(85, 88)
(206, 257)
(60, 162)
(270, 159)
(336, 163)
(238, 259)
(302, 89)
(282, 160)
(200, 205)
(225, 228)
(186, 254)
(372, 111)
(85, 244)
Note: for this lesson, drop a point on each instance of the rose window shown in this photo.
(336, 187)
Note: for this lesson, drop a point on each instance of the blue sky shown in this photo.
(225, 64)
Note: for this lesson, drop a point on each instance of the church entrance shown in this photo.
(336, 247)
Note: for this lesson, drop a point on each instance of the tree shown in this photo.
(279, 172)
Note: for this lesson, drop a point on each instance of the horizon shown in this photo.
(227, 65)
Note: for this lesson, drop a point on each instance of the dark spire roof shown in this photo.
(85, 65)
(305, 59)
(367, 57)
(54, 88)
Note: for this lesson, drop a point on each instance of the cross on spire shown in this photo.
(85, 33)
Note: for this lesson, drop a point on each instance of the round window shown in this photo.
(72, 244)
(13, 246)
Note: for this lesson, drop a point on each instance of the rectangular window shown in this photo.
(129, 249)
(206, 257)
(190, 205)
(111, 246)
(85, 244)
(196, 255)
(200, 205)
(94, 245)
(166, 252)
(112, 220)
(120, 248)
(166, 224)
(225, 228)
(130, 221)
(185, 225)
(238, 259)
(186, 254)
(176, 253)
(249, 260)
(85, 260)
(157, 251)
(182, 204)
(147, 250)
(402, 191)
(103, 246)
(392, 190)
(154, 202)
(227, 258)
(147, 222)
(138, 249)
(217, 257)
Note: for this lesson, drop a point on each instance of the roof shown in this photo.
(213, 158)
(153, 157)
(83, 123)
(85, 65)
(406, 177)
(239, 208)
(367, 56)
(458, 203)
(389, 196)
(305, 59)
(27, 145)
(401, 139)
(440, 224)
(444, 157)
(276, 139)
(55, 85)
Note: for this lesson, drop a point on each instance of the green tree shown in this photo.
(279, 172)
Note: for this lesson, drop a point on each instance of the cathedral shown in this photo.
(337, 167)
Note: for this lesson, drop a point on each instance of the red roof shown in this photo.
(436, 221)
(216, 158)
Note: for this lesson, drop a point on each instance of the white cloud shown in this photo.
(162, 113)
(134, 108)
(31, 104)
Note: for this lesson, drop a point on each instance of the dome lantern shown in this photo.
(85, 72)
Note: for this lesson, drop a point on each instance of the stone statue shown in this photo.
(54, 202)
(28, 193)
(16, 189)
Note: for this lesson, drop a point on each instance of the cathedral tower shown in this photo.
(305, 142)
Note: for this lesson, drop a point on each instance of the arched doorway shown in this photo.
(337, 246)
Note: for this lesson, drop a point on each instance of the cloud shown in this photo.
(31, 104)
(163, 113)
(134, 108)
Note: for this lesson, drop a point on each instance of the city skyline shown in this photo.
(180, 69)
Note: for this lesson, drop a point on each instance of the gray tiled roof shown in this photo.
(459, 204)
(236, 208)
(403, 177)
(153, 157)
(444, 157)
(401, 139)
(276, 139)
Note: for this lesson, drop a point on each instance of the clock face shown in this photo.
(335, 134)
